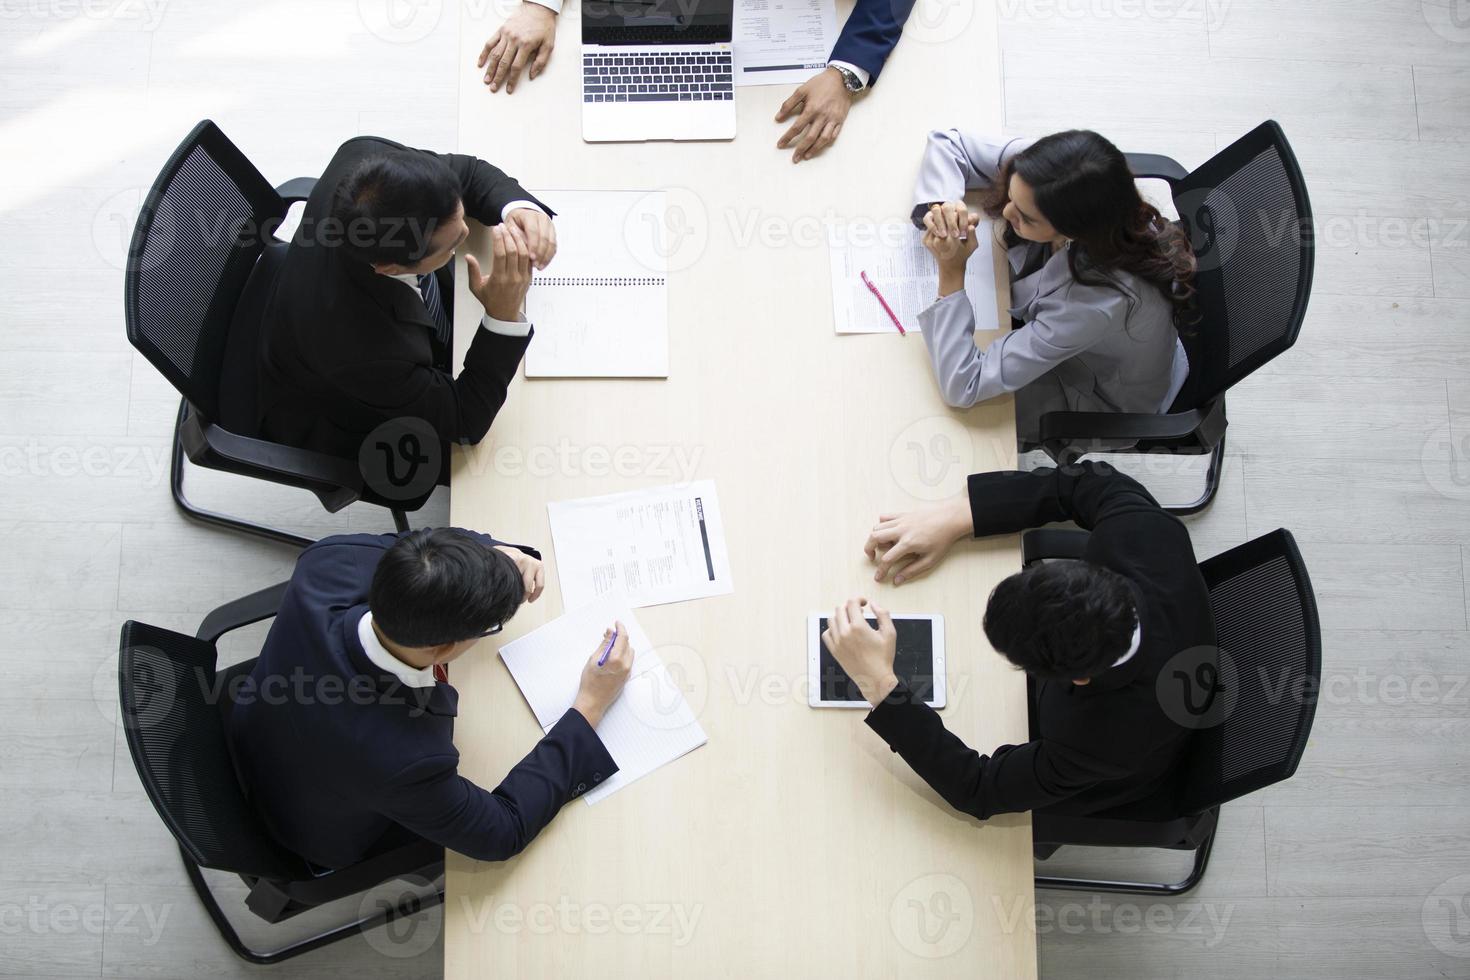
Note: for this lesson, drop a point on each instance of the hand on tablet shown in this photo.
(601, 686)
(910, 545)
(865, 653)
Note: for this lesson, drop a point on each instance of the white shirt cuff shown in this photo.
(861, 73)
(507, 328)
(518, 205)
(553, 5)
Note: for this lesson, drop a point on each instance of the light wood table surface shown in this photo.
(793, 844)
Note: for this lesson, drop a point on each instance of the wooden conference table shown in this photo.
(794, 843)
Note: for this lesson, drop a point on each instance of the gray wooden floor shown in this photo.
(1358, 440)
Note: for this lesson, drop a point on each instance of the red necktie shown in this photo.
(441, 673)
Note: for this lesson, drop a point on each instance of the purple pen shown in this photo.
(610, 643)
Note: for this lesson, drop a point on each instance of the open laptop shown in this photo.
(657, 70)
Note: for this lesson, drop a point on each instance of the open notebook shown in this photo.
(648, 726)
(601, 307)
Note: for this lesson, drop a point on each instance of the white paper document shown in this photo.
(663, 544)
(648, 726)
(904, 273)
(782, 42)
(601, 308)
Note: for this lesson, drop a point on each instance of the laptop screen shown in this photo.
(650, 22)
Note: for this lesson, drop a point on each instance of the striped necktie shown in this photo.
(429, 289)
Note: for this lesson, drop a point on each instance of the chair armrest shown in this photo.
(1157, 166)
(296, 189)
(1069, 427)
(241, 612)
(1053, 543)
(299, 464)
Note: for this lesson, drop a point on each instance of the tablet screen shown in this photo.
(914, 662)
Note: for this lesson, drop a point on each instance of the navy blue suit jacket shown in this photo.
(870, 34)
(334, 752)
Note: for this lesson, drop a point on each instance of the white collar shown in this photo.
(382, 659)
(1137, 641)
(407, 278)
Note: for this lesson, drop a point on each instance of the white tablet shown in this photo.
(919, 662)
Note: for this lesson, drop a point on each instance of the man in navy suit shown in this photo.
(819, 105)
(343, 731)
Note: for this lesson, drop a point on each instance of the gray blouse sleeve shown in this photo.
(956, 161)
(1063, 327)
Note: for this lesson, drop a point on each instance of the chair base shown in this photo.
(1207, 496)
(1212, 483)
(215, 519)
(1196, 874)
(265, 958)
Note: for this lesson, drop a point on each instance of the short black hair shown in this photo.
(387, 207)
(442, 585)
(1062, 620)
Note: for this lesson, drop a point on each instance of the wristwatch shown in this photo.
(849, 78)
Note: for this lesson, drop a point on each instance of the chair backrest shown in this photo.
(171, 714)
(201, 228)
(1250, 222)
(1271, 654)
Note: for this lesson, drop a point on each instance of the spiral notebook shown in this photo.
(647, 727)
(601, 309)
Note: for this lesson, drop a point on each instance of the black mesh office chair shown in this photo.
(175, 728)
(200, 268)
(1249, 220)
(1266, 619)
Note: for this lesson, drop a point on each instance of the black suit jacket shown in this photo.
(337, 755)
(1109, 742)
(344, 349)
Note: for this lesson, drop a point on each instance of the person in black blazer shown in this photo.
(1093, 637)
(358, 329)
(343, 731)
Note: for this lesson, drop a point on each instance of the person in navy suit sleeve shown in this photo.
(820, 103)
(526, 39)
(343, 731)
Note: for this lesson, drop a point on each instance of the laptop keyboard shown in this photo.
(657, 78)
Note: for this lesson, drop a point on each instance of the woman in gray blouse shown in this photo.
(1100, 281)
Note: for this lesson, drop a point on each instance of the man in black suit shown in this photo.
(343, 731)
(1093, 636)
(358, 329)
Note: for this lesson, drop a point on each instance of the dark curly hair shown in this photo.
(1084, 188)
(1064, 620)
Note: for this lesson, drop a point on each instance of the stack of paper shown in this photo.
(663, 544)
(903, 271)
(648, 726)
